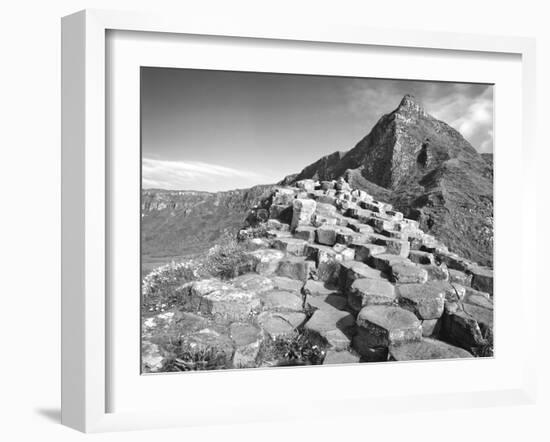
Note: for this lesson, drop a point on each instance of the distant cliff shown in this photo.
(177, 223)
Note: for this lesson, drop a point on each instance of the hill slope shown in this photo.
(183, 223)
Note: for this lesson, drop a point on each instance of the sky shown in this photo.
(219, 130)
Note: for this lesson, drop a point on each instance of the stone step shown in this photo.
(482, 279)
(340, 357)
(295, 267)
(420, 257)
(331, 328)
(302, 212)
(426, 301)
(288, 284)
(292, 246)
(306, 233)
(382, 326)
(405, 273)
(385, 261)
(352, 270)
(281, 300)
(327, 261)
(426, 349)
(318, 295)
(367, 291)
(267, 260)
(327, 235)
(247, 339)
(214, 298)
(280, 324)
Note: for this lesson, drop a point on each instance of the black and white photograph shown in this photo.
(298, 220)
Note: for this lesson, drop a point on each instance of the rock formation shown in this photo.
(427, 170)
(337, 275)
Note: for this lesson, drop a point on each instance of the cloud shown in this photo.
(194, 175)
(466, 107)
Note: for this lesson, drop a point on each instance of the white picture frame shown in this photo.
(86, 317)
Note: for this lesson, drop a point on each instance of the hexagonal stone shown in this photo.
(421, 257)
(230, 304)
(255, 243)
(394, 214)
(346, 221)
(284, 196)
(385, 261)
(352, 270)
(364, 216)
(368, 354)
(288, 284)
(252, 282)
(408, 224)
(327, 260)
(397, 234)
(380, 224)
(430, 327)
(320, 219)
(280, 324)
(459, 277)
(318, 288)
(404, 273)
(424, 300)
(348, 237)
(347, 253)
(268, 260)
(482, 279)
(462, 329)
(302, 212)
(325, 209)
(281, 300)
(340, 357)
(372, 206)
(274, 224)
(247, 339)
(327, 199)
(453, 292)
(363, 252)
(478, 298)
(381, 326)
(306, 184)
(361, 228)
(426, 349)
(293, 246)
(394, 246)
(319, 296)
(436, 272)
(307, 233)
(329, 327)
(453, 260)
(327, 234)
(367, 291)
(295, 267)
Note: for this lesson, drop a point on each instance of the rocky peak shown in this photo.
(425, 168)
(409, 104)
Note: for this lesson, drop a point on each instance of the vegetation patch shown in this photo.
(296, 349)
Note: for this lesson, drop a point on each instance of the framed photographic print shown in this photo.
(254, 210)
